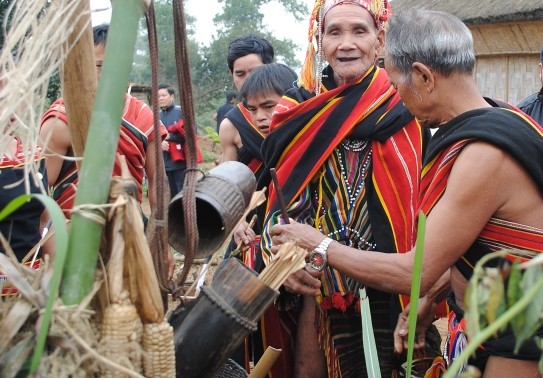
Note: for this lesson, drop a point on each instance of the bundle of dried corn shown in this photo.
(133, 294)
(124, 333)
(157, 342)
(159, 357)
(121, 327)
(120, 337)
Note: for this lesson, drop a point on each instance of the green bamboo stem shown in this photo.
(100, 149)
(493, 328)
(415, 292)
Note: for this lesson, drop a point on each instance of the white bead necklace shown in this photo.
(354, 146)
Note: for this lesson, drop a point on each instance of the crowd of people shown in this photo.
(356, 163)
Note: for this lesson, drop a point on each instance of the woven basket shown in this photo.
(231, 370)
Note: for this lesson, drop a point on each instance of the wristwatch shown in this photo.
(317, 257)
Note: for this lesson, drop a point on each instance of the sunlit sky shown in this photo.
(277, 21)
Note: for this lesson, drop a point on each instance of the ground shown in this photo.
(211, 151)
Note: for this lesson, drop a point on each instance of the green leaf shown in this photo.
(534, 310)
(539, 343)
(471, 312)
(368, 339)
(415, 292)
(514, 293)
(15, 204)
(210, 131)
(495, 305)
(61, 246)
(477, 339)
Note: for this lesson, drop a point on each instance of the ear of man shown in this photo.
(424, 75)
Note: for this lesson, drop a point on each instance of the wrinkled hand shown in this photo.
(304, 283)
(426, 316)
(165, 145)
(306, 236)
(244, 235)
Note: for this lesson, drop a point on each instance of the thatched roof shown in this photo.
(479, 12)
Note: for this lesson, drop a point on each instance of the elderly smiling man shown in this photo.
(348, 157)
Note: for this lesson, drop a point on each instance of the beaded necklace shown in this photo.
(348, 154)
(353, 146)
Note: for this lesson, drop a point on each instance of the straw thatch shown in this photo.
(507, 36)
(479, 12)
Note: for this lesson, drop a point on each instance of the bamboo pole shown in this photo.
(79, 78)
(265, 363)
(101, 145)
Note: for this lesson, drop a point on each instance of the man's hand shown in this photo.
(302, 282)
(426, 315)
(305, 236)
(165, 145)
(244, 234)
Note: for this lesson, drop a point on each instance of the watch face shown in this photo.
(317, 261)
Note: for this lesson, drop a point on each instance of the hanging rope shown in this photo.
(187, 103)
(157, 229)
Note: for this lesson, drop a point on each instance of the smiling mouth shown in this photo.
(343, 60)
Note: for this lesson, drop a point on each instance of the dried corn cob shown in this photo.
(159, 357)
(121, 336)
(139, 262)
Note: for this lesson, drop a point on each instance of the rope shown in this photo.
(185, 90)
(95, 213)
(158, 231)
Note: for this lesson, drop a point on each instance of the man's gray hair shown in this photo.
(437, 39)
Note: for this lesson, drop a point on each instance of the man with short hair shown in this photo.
(244, 54)
(171, 116)
(533, 104)
(260, 95)
(231, 99)
(262, 91)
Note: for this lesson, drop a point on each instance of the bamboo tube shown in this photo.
(265, 363)
(103, 136)
(79, 78)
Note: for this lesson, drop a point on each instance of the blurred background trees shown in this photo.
(209, 70)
